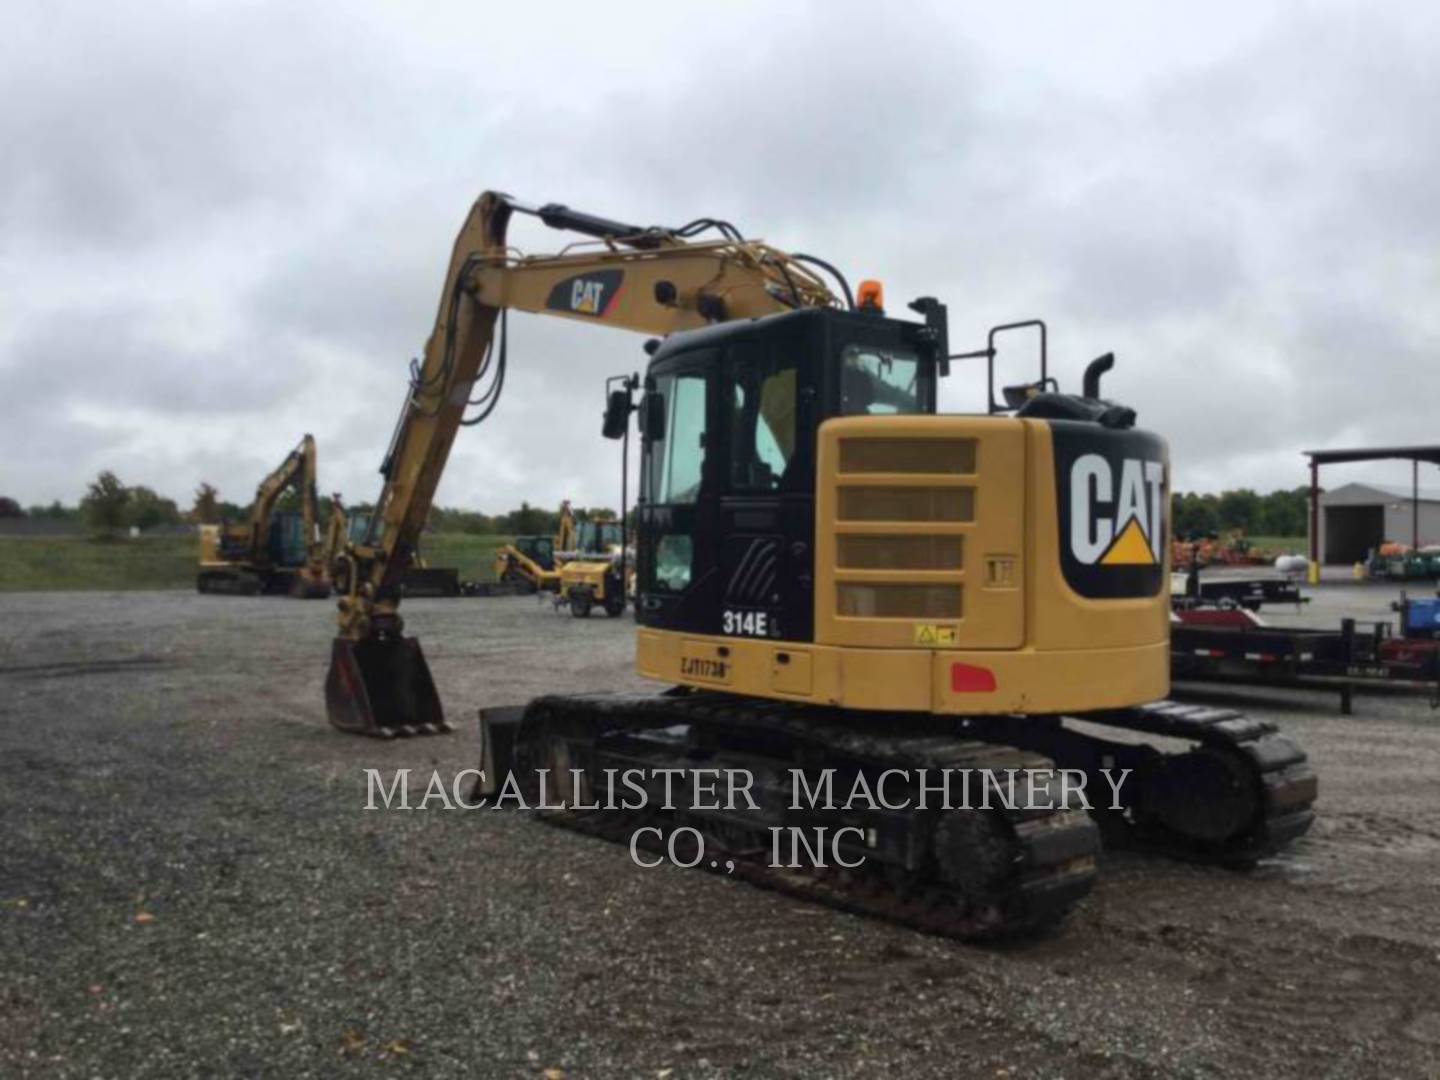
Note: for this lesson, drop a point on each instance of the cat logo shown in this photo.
(585, 296)
(1113, 509)
(590, 294)
(1116, 521)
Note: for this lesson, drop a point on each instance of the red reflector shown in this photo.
(965, 679)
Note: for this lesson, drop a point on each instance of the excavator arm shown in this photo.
(336, 531)
(297, 470)
(651, 280)
(565, 531)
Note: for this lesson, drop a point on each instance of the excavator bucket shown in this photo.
(382, 687)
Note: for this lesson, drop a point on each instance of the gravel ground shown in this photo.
(190, 884)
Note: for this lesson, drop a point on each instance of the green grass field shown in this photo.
(169, 562)
(473, 556)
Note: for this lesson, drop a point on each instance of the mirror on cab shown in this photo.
(617, 414)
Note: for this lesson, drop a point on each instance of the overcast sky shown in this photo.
(222, 226)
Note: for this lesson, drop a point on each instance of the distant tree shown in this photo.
(106, 502)
(148, 510)
(9, 508)
(530, 521)
(1239, 509)
(1285, 513)
(206, 509)
(230, 511)
(56, 511)
(1194, 515)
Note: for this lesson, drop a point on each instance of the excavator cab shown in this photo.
(538, 549)
(727, 517)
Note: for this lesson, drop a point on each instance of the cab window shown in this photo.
(879, 382)
(677, 461)
(762, 422)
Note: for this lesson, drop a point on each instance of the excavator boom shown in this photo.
(651, 280)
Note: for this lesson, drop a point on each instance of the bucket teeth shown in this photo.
(381, 686)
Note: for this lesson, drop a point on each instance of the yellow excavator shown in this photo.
(271, 550)
(835, 581)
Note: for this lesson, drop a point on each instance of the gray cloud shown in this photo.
(220, 228)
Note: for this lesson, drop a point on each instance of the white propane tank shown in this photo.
(1291, 564)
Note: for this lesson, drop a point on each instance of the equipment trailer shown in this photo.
(1232, 646)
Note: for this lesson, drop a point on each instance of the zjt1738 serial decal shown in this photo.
(702, 667)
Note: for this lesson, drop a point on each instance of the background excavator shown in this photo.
(832, 576)
(271, 550)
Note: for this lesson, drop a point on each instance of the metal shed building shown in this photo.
(1357, 518)
(1349, 521)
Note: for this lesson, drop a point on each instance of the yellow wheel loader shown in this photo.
(421, 579)
(535, 561)
(591, 575)
(836, 585)
(271, 550)
(528, 561)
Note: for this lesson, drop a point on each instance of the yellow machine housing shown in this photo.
(938, 586)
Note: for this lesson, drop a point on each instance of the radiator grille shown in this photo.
(869, 552)
(930, 457)
(898, 601)
(906, 504)
(912, 510)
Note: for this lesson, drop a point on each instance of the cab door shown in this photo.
(767, 505)
(679, 552)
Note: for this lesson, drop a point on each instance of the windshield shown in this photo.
(599, 536)
(358, 527)
(879, 382)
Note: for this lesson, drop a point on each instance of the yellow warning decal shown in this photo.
(1130, 548)
(935, 634)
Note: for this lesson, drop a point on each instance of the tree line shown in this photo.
(110, 505)
(1280, 513)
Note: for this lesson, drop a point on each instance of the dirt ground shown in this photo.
(190, 884)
